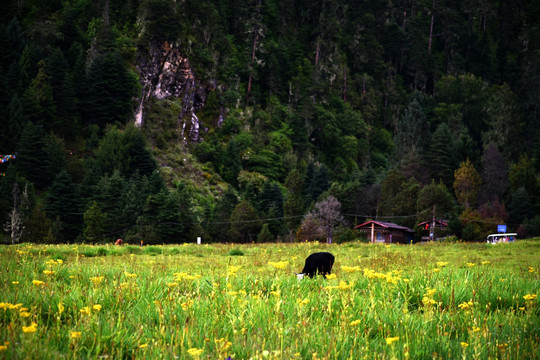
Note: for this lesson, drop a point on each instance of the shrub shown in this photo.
(235, 252)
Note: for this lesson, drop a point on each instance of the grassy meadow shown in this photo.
(429, 301)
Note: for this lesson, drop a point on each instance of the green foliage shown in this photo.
(235, 252)
(313, 98)
(265, 235)
(94, 224)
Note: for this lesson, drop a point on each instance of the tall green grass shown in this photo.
(442, 301)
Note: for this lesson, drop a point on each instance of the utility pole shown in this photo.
(433, 225)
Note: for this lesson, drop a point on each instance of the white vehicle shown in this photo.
(500, 238)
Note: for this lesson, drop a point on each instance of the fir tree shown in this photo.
(62, 202)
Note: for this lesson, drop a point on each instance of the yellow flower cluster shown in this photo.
(466, 305)
(131, 276)
(87, 310)
(392, 277)
(4, 347)
(53, 262)
(97, 279)
(342, 286)
(441, 264)
(278, 265)
(8, 306)
(232, 270)
(38, 282)
(391, 340)
(222, 344)
(185, 276)
(354, 322)
(351, 269)
(530, 297)
(428, 300)
(194, 352)
(30, 329)
(303, 302)
(187, 304)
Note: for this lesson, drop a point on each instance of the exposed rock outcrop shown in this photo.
(165, 73)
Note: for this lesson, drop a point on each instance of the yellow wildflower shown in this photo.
(530, 297)
(130, 275)
(96, 307)
(466, 305)
(442, 263)
(3, 347)
(391, 340)
(143, 346)
(76, 334)
(475, 329)
(278, 265)
(436, 270)
(185, 276)
(30, 329)
(464, 344)
(531, 269)
(97, 279)
(354, 322)
(48, 272)
(85, 310)
(276, 292)
(172, 284)
(38, 282)
(486, 262)
(343, 285)
(195, 352)
(60, 308)
(471, 264)
(15, 282)
(187, 304)
(350, 269)
(24, 314)
(303, 302)
(331, 276)
(428, 301)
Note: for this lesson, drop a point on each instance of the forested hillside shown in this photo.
(165, 120)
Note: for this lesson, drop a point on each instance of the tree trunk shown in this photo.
(431, 27)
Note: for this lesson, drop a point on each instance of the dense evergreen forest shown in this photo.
(266, 120)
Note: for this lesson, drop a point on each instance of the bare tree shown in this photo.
(15, 225)
(310, 229)
(328, 213)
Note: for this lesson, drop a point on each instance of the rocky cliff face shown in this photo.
(165, 73)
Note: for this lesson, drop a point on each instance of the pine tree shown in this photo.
(94, 224)
(265, 236)
(32, 158)
(62, 202)
(245, 223)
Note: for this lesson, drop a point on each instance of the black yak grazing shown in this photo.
(320, 262)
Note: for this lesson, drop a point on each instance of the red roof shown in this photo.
(386, 225)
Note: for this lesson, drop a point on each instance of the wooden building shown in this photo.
(386, 232)
(427, 229)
